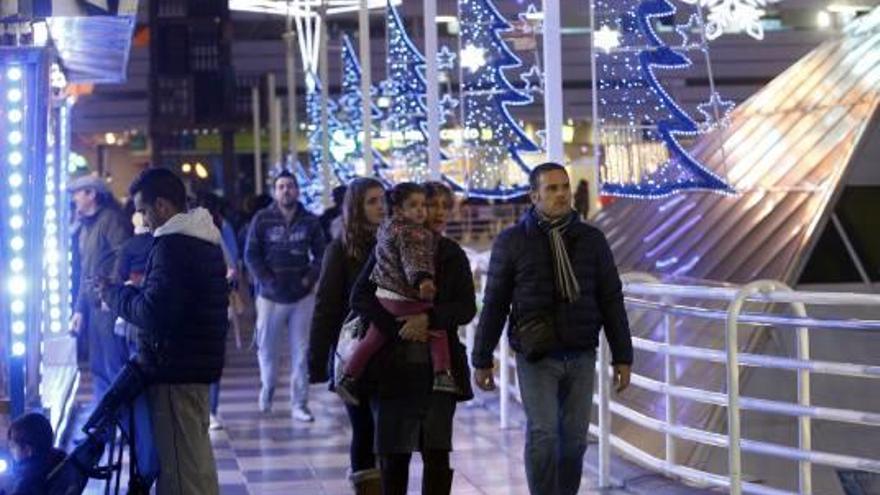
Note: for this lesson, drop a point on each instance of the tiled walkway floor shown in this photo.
(272, 454)
(268, 454)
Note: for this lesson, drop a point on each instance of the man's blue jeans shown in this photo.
(557, 395)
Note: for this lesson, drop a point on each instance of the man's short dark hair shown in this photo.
(285, 174)
(339, 195)
(155, 183)
(537, 172)
(32, 430)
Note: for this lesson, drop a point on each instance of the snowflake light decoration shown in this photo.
(732, 16)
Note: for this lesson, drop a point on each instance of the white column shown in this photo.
(366, 84)
(258, 166)
(274, 122)
(290, 46)
(595, 131)
(553, 81)
(433, 91)
(325, 95)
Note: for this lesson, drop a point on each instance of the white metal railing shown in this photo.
(671, 303)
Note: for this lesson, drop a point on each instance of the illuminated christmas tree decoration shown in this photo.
(406, 116)
(494, 142)
(347, 139)
(640, 125)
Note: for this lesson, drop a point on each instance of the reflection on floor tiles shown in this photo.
(269, 454)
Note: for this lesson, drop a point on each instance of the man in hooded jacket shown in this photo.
(181, 311)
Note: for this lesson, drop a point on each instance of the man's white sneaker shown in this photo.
(303, 414)
(215, 423)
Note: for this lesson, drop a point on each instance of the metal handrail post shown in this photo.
(734, 452)
(604, 416)
(504, 381)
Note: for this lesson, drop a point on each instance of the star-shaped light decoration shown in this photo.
(685, 30)
(473, 57)
(708, 109)
(532, 17)
(445, 58)
(606, 39)
(447, 105)
(533, 80)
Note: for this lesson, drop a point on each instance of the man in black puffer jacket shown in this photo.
(181, 311)
(559, 276)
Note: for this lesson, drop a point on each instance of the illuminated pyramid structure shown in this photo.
(789, 152)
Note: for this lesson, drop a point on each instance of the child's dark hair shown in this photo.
(399, 193)
(32, 430)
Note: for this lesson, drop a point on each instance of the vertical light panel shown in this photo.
(23, 93)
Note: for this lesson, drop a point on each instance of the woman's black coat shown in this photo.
(391, 373)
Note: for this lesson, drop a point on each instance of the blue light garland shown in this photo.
(493, 136)
(635, 103)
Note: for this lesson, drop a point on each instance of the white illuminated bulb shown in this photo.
(16, 243)
(16, 222)
(18, 327)
(17, 307)
(15, 137)
(606, 39)
(56, 326)
(15, 158)
(472, 58)
(13, 95)
(15, 180)
(18, 349)
(823, 19)
(14, 74)
(17, 285)
(16, 200)
(17, 264)
(14, 116)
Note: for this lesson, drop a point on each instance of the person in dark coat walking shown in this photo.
(409, 415)
(558, 275)
(283, 254)
(102, 231)
(181, 312)
(362, 211)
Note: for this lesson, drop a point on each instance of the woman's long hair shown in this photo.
(358, 235)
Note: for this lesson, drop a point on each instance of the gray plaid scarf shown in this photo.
(566, 282)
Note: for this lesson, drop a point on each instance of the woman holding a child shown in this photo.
(413, 383)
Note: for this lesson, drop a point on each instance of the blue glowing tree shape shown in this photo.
(407, 115)
(351, 111)
(632, 98)
(342, 171)
(491, 131)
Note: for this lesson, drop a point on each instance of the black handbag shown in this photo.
(534, 334)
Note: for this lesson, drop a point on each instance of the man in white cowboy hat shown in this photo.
(102, 230)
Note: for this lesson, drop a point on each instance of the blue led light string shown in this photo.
(493, 138)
